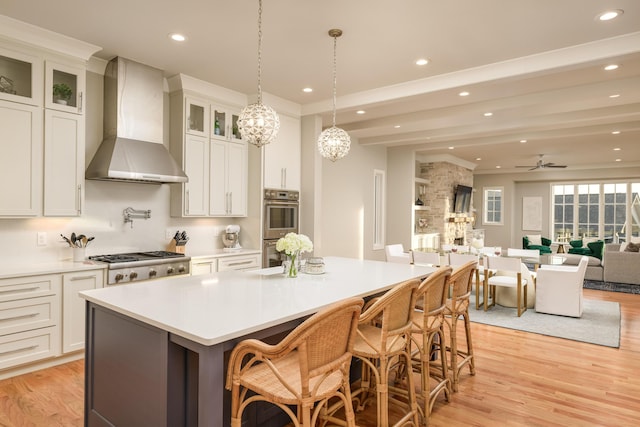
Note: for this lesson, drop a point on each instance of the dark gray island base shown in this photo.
(155, 350)
(139, 375)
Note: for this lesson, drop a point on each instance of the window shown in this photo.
(493, 205)
(379, 202)
(603, 210)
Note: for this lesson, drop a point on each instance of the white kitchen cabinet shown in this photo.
(239, 262)
(216, 164)
(20, 77)
(224, 123)
(203, 266)
(283, 156)
(61, 78)
(21, 155)
(63, 163)
(228, 179)
(29, 319)
(73, 307)
(196, 119)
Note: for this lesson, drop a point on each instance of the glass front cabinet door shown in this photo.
(20, 77)
(64, 87)
(224, 123)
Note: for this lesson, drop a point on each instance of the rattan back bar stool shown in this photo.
(460, 283)
(384, 335)
(428, 339)
(308, 367)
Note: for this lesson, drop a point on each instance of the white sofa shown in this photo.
(621, 267)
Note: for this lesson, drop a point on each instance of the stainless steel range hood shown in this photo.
(132, 148)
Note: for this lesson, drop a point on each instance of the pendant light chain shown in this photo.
(335, 78)
(259, 51)
(334, 143)
(259, 124)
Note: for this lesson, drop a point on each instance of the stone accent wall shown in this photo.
(443, 178)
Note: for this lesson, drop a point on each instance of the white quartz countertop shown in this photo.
(31, 269)
(211, 309)
(221, 253)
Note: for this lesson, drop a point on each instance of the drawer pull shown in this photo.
(82, 277)
(18, 350)
(241, 262)
(19, 290)
(22, 316)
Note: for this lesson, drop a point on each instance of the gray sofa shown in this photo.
(616, 266)
(621, 267)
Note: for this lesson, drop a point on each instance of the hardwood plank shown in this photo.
(522, 379)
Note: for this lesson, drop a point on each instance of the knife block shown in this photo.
(176, 248)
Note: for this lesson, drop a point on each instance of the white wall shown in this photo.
(345, 208)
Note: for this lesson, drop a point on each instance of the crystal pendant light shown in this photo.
(334, 143)
(258, 123)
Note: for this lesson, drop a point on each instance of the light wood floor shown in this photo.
(522, 379)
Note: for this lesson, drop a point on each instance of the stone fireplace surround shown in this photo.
(442, 178)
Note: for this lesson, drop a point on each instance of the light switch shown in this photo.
(42, 238)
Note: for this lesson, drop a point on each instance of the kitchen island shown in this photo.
(155, 352)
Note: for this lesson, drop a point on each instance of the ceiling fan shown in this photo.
(542, 165)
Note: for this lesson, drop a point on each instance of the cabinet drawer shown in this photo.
(203, 267)
(242, 262)
(17, 288)
(28, 314)
(24, 347)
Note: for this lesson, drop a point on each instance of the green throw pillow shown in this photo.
(596, 247)
(576, 243)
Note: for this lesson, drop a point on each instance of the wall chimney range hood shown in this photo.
(132, 149)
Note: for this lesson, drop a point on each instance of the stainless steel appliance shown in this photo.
(280, 217)
(231, 238)
(137, 266)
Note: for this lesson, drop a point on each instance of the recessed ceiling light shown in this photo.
(523, 141)
(307, 90)
(177, 37)
(478, 158)
(617, 149)
(360, 112)
(610, 14)
(618, 160)
(422, 61)
(615, 95)
(488, 114)
(615, 132)
(498, 167)
(451, 148)
(464, 93)
(611, 67)
(396, 127)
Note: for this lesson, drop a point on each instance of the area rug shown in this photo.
(612, 287)
(599, 324)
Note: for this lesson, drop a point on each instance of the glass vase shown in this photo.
(292, 264)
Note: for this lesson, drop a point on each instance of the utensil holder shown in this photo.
(79, 254)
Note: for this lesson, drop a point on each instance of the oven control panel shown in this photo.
(119, 276)
(287, 195)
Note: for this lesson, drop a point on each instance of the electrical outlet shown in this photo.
(42, 238)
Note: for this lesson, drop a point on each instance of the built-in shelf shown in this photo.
(421, 208)
(461, 219)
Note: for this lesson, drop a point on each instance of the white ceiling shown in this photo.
(536, 64)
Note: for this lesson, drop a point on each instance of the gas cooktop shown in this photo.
(136, 266)
(136, 256)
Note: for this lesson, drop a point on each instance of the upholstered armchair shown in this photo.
(559, 289)
(544, 246)
(593, 249)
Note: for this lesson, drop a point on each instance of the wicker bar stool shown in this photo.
(308, 367)
(460, 281)
(428, 339)
(383, 337)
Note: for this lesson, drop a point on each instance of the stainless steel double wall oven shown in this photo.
(280, 217)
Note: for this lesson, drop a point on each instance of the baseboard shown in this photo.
(612, 286)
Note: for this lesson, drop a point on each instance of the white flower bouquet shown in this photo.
(293, 245)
